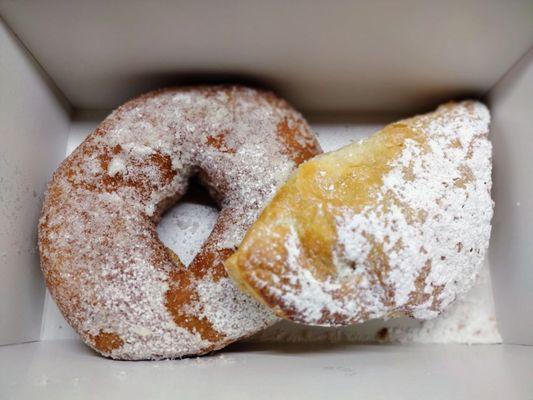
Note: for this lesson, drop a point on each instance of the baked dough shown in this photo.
(396, 224)
(119, 287)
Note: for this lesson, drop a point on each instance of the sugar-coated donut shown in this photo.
(396, 224)
(119, 287)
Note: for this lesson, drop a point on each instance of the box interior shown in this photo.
(349, 68)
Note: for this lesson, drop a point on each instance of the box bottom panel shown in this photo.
(184, 228)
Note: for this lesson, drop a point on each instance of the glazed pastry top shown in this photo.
(396, 224)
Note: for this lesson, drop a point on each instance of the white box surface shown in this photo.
(351, 68)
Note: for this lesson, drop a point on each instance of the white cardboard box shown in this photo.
(349, 67)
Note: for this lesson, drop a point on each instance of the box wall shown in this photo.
(34, 123)
(511, 251)
(339, 56)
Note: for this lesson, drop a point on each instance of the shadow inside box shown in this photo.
(430, 95)
(258, 348)
(300, 348)
(141, 83)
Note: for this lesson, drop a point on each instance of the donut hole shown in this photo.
(185, 226)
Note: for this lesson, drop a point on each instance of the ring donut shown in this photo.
(125, 293)
(396, 224)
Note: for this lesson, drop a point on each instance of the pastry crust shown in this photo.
(396, 224)
(119, 287)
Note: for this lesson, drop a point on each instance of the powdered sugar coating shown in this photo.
(127, 295)
(447, 188)
(468, 320)
(416, 245)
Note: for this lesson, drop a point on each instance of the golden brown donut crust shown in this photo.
(119, 287)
